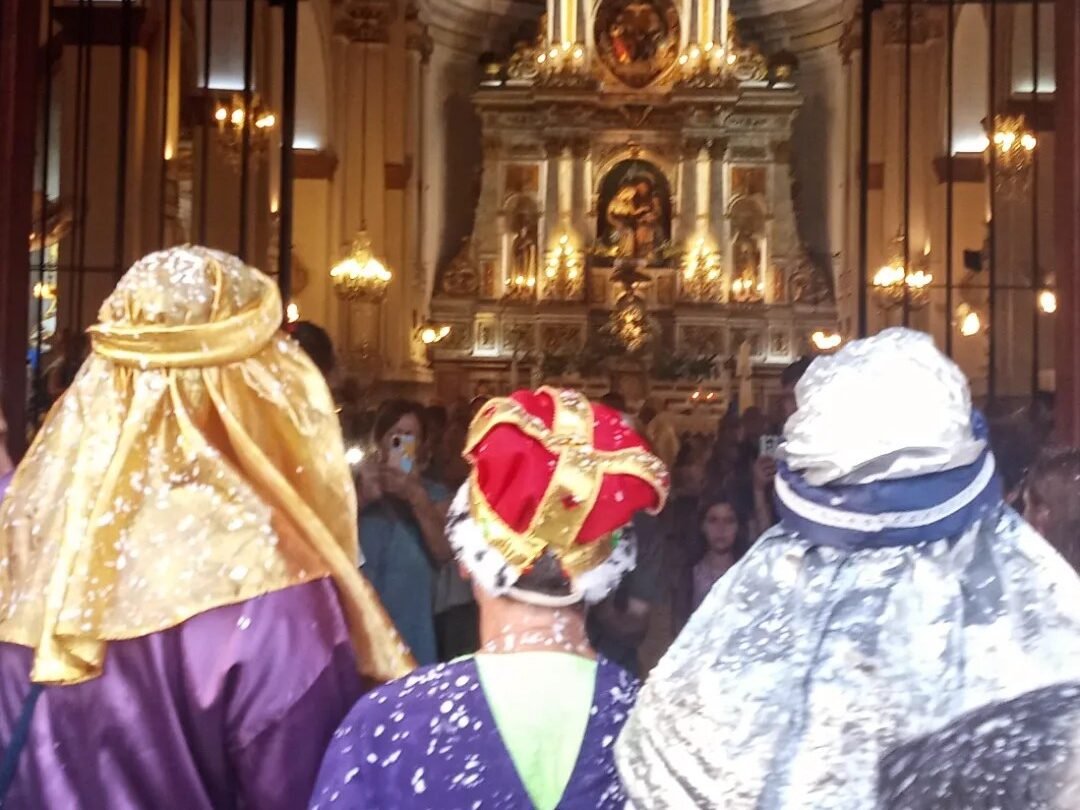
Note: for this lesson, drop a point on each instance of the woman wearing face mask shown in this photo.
(402, 540)
(724, 535)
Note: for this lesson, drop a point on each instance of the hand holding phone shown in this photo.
(403, 452)
(770, 446)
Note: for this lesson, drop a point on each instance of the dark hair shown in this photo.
(436, 417)
(75, 353)
(716, 498)
(1053, 485)
(316, 343)
(391, 411)
(615, 401)
(1015, 447)
(793, 373)
(476, 403)
(545, 576)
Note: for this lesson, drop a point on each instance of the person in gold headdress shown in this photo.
(182, 622)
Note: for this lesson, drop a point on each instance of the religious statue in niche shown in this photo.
(748, 225)
(746, 285)
(634, 219)
(523, 249)
(638, 40)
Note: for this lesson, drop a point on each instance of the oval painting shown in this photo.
(638, 40)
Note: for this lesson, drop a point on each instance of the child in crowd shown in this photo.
(724, 538)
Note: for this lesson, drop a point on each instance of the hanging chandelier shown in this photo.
(894, 281)
(702, 279)
(1013, 146)
(360, 275)
(563, 279)
(232, 118)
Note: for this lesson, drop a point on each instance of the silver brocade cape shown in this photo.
(806, 664)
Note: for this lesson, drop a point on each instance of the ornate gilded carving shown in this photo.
(808, 283)
(487, 279)
(926, 23)
(635, 116)
(485, 335)
(750, 66)
(779, 343)
(522, 67)
(460, 338)
(702, 339)
(561, 338)
(460, 278)
(364, 20)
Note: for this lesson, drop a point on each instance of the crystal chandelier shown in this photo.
(893, 282)
(360, 276)
(232, 118)
(1013, 146)
(563, 277)
(701, 277)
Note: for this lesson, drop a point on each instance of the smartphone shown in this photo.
(403, 452)
(770, 446)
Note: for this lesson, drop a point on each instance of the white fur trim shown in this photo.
(496, 576)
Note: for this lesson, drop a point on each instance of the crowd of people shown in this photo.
(207, 601)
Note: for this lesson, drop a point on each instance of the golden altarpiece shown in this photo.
(636, 184)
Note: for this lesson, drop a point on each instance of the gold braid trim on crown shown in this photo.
(574, 486)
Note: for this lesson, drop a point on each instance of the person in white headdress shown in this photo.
(897, 592)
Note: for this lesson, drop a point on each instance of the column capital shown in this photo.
(580, 147)
(364, 20)
(555, 147)
(417, 37)
(926, 24)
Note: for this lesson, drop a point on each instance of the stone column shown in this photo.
(1066, 215)
(418, 47)
(566, 190)
(702, 172)
(580, 151)
(552, 201)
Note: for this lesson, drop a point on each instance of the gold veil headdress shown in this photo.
(196, 461)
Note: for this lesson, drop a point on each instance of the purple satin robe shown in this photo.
(231, 709)
(430, 741)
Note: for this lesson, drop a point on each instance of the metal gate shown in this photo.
(158, 122)
(920, 173)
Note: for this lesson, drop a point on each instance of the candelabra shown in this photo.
(895, 281)
(1013, 148)
(563, 275)
(702, 277)
(232, 118)
(360, 275)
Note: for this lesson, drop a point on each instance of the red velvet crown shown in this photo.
(551, 471)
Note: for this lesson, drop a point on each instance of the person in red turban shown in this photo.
(542, 528)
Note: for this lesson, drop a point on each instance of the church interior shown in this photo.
(667, 198)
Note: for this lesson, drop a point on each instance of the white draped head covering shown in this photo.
(812, 658)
